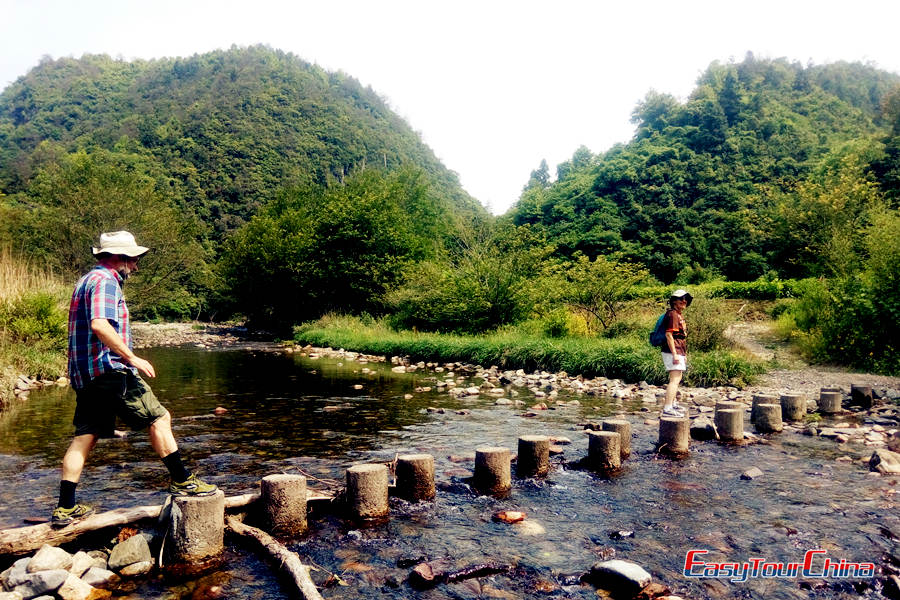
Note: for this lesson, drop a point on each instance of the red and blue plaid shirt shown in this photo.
(97, 295)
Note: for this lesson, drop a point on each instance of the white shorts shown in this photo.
(671, 366)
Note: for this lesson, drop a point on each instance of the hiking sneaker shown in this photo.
(66, 516)
(192, 486)
(673, 412)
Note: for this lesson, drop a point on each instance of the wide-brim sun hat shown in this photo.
(679, 294)
(119, 242)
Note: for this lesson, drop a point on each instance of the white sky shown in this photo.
(492, 86)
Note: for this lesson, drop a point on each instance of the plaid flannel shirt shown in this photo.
(97, 295)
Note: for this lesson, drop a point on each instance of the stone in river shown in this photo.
(620, 576)
(751, 473)
(885, 462)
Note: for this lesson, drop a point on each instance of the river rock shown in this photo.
(76, 589)
(81, 562)
(100, 578)
(133, 550)
(14, 575)
(10, 595)
(41, 582)
(136, 569)
(702, 429)
(49, 558)
(620, 576)
(751, 473)
(893, 442)
(885, 462)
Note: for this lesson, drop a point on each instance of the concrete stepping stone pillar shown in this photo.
(604, 450)
(284, 503)
(674, 436)
(861, 395)
(415, 477)
(760, 399)
(197, 527)
(729, 404)
(768, 418)
(534, 456)
(793, 407)
(367, 491)
(730, 424)
(492, 470)
(830, 401)
(623, 428)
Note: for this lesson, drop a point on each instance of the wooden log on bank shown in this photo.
(280, 556)
(23, 540)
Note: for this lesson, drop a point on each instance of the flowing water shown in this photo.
(286, 413)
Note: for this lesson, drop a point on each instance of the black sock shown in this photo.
(176, 467)
(67, 493)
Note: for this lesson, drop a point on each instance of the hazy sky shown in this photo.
(492, 86)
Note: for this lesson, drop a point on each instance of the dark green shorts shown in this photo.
(118, 394)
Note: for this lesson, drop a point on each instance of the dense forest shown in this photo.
(767, 168)
(279, 192)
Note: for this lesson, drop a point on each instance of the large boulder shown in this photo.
(14, 573)
(42, 582)
(885, 462)
(133, 550)
(49, 558)
(621, 577)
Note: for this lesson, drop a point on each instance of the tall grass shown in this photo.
(32, 322)
(631, 358)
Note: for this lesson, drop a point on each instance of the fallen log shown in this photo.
(280, 556)
(22, 540)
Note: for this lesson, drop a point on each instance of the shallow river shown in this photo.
(291, 414)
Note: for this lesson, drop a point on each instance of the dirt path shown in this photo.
(793, 373)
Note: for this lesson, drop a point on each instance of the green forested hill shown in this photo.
(223, 131)
(759, 171)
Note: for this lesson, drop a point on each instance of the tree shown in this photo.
(69, 204)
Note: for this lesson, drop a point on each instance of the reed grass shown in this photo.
(32, 322)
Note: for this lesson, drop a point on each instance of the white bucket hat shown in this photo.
(119, 242)
(679, 294)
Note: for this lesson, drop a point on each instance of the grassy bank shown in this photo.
(630, 359)
(32, 323)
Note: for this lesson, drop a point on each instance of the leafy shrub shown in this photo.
(707, 320)
(855, 320)
(761, 289)
(491, 281)
(36, 318)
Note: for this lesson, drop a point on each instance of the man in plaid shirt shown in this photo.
(105, 373)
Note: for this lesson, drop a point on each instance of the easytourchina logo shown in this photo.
(814, 565)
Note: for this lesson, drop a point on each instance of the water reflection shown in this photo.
(285, 413)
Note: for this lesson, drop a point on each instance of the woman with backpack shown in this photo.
(674, 349)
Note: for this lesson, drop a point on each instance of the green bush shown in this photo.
(707, 319)
(35, 319)
(492, 280)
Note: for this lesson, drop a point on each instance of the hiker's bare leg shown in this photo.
(161, 437)
(672, 388)
(76, 455)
